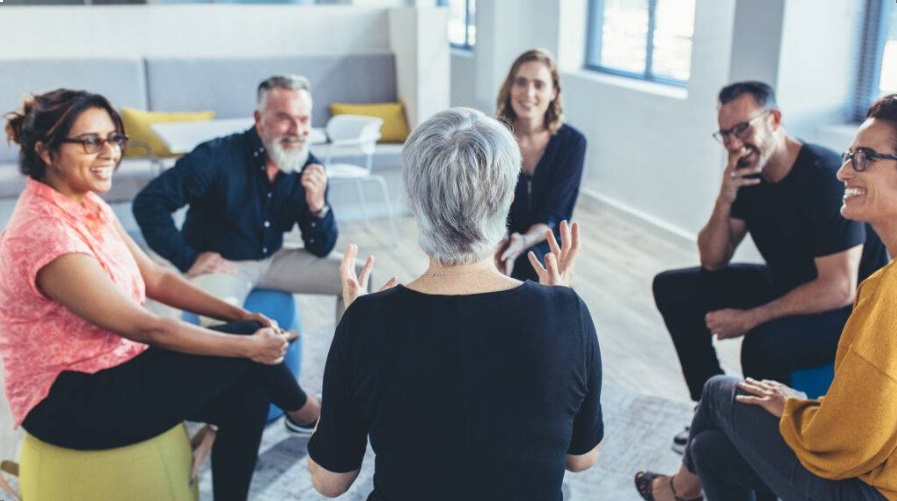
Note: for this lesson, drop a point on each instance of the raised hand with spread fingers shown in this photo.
(559, 263)
(355, 285)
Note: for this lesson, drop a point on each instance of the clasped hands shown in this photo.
(272, 340)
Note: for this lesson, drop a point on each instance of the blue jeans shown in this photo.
(736, 449)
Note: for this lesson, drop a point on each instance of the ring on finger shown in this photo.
(733, 175)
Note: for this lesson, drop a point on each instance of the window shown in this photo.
(462, 29)
(877, 63)
(644, 39)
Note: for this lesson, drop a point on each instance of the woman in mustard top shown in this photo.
(762, 436)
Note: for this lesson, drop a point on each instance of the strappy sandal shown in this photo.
(644, 481)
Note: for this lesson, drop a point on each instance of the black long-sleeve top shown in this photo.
(234, 209)
(549, 195)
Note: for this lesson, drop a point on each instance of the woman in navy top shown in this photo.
(553, 154)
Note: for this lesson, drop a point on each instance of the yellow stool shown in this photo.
(157, 469)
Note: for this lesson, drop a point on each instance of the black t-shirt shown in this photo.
(474, 397)
(798, 219)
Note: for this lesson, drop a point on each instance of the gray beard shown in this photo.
(287, 161)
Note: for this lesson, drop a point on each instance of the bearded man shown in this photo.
(244, 192)
(790, 310)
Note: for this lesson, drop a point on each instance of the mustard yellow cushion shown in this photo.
(395, 126)
(157, 469)
(138, 122)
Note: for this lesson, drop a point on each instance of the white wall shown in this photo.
(816, 68)
(419, 39)
(650, 152)
(190, 30)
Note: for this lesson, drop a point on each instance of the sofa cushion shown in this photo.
(121, 80)
(228, 85)
(138, 125)
(395, 125)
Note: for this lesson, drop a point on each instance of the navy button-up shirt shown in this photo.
(234, 209)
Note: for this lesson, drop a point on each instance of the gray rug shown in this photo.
(638, 435)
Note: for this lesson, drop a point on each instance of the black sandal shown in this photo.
(644, 481)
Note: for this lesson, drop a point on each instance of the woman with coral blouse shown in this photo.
(553, 154)
(85, 366)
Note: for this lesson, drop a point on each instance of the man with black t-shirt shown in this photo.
(791, 309)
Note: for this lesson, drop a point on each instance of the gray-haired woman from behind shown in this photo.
(471, 385)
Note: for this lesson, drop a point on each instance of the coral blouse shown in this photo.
(39, 337)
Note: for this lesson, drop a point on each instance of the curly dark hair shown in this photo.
(47, 119)
(885, 108)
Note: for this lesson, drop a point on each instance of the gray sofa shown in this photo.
(224, 85)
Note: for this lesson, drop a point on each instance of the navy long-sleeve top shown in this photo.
(234, 209)
(548, 196)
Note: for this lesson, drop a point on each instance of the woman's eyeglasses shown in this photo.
(95, 144)
(860, 158)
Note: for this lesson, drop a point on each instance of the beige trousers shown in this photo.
(291, 270)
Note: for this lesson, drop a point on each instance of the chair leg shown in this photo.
(392, 224)
(359, 189)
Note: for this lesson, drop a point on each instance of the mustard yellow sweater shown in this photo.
(852, 431)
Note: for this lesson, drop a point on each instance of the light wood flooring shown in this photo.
(614, 276)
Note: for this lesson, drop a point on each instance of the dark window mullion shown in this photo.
(596, 31)
(649, 46)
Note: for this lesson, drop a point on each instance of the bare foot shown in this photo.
(660, 489)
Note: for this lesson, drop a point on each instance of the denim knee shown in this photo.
(707, 449)
(719, 386)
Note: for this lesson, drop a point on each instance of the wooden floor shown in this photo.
(614, 276)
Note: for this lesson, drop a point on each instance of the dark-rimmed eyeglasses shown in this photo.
(740, 130)
(860, 158)
(95, 144)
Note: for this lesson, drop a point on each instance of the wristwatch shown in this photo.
(321, 213)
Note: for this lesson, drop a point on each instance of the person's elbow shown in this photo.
(582, 462)
(326, 489)
(328, 483)
(845, 293)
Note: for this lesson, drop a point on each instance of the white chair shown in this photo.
(356, 136)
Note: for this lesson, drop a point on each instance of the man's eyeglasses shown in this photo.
(739, 130)
(860, 158)
(95, 144)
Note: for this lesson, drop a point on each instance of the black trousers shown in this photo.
(770, 351)
(158, 389)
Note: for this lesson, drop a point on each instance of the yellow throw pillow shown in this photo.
(137, 127)
(395, 126)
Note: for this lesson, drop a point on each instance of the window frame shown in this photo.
(467, 24)
(873, 36)
(594, 32)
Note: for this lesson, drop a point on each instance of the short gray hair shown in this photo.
(460, 168)
(288, 82)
